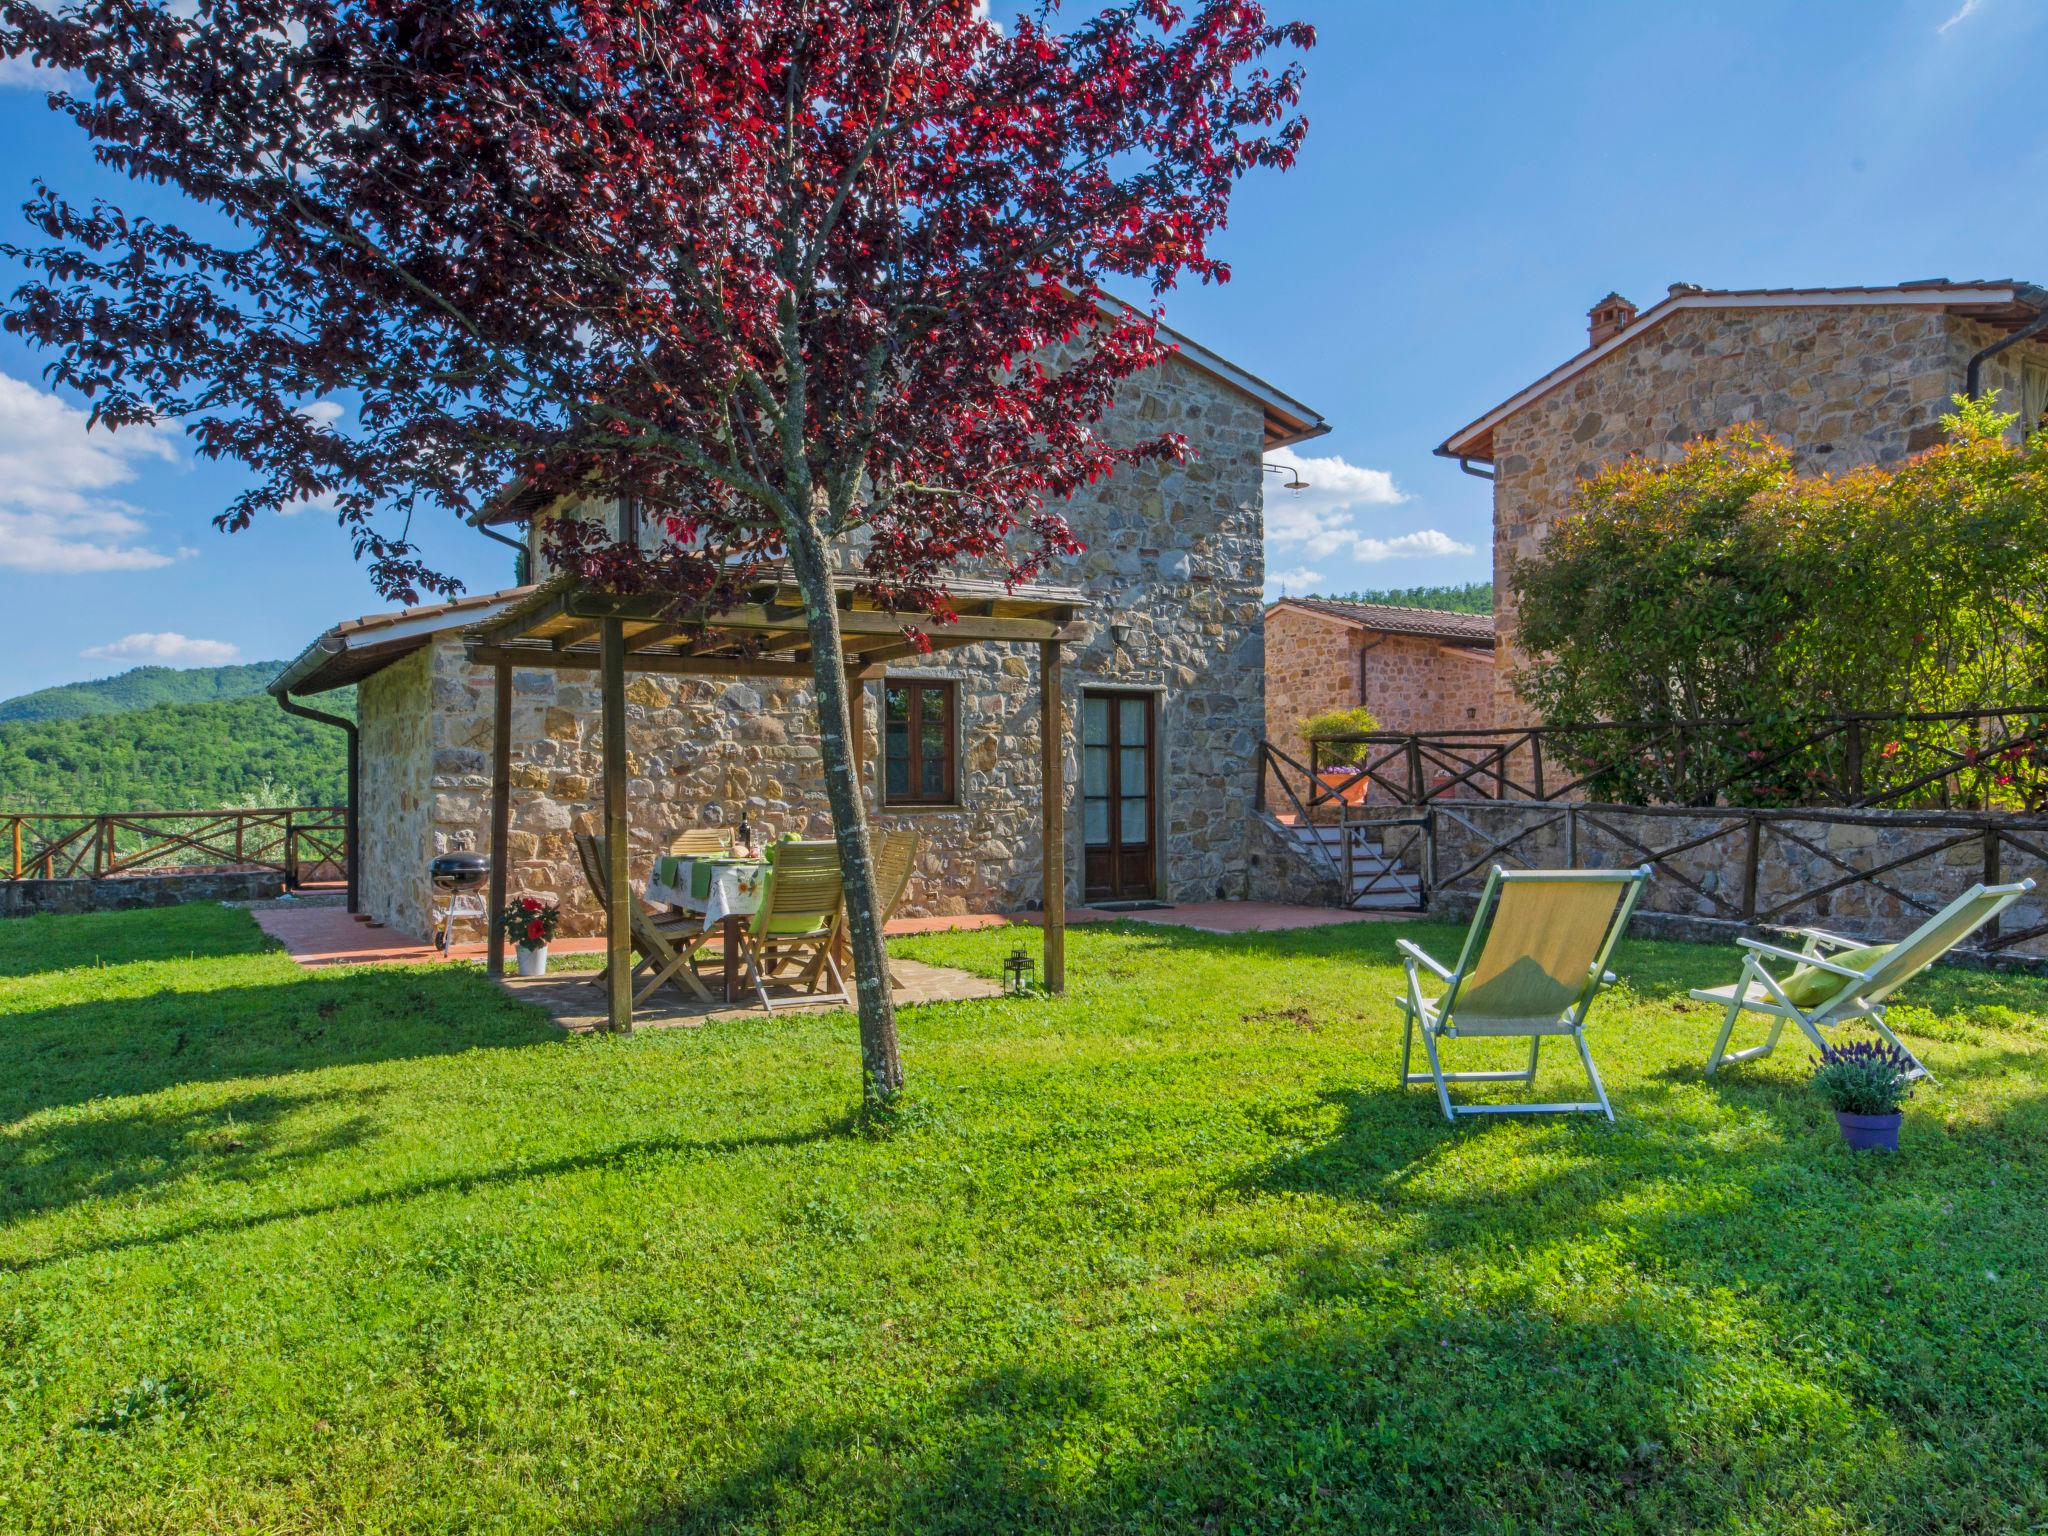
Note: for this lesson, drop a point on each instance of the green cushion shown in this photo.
(1810, 986)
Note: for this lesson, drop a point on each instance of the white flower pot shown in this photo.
(533, 959)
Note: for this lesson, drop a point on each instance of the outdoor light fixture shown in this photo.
(1119, 631)
(1296, 484)
(1017, 974)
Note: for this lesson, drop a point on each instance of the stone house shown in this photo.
(1844, 377)
(1416, 669)
(1163, 702)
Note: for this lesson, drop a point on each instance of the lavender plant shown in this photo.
(1865, 1077)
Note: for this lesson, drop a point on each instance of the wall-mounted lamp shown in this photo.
(1296, 484)
(1119, 631)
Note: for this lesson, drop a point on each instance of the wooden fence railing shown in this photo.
(1994, 758)
(303, 843)
(1755, 867)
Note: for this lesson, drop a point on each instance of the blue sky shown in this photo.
(1476, 176)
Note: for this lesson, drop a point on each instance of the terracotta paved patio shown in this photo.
(327, 935)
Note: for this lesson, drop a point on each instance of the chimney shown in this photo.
(1609, 317)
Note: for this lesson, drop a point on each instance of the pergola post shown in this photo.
(1053, 814)
(501, 812)
(618, 922)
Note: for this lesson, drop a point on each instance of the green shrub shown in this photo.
(1727, 586)
(1340, 722)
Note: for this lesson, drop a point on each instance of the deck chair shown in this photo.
(666, 948)
(1868, 975)
(791, 938)
(701, 843)
(1534, 959)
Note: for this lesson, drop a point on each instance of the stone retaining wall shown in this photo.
(23, 898)
(1786, 869)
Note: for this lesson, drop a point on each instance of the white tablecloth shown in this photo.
(735, 889)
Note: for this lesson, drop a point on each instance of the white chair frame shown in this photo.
(1438, 1019)
(1863, 993)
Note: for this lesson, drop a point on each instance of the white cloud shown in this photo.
(20, 74)
(1295, 579)
(1968, 9)
(1427, 541)
(1317, 522)
(57, 515)
(164, 646)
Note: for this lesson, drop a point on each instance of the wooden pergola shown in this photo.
(566, 625)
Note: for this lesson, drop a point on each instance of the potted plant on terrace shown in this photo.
(1866, 1084)
(529, 923)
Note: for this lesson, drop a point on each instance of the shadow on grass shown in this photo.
(620, 1155)
(1315, 1422)
(127, 1151)
(119, 1046)
(1689, 1322)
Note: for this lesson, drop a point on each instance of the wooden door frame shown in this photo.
(1155, 791)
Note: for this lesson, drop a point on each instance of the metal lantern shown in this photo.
(1018, 980)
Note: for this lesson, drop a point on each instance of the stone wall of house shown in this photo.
(1608, 837)
(1412, 683)
(1173, 570)
(2019, 373)
(395, 796)
(1842, 386)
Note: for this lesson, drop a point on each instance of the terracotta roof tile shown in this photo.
(1468, 628)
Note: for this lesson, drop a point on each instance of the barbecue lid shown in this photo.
(460, 864)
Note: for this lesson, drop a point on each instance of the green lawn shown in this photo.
(376, 1251)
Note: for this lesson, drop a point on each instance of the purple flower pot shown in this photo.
(1869, 1133)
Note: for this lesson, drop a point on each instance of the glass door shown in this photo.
(1116, 796)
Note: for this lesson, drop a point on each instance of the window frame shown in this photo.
(916, 798)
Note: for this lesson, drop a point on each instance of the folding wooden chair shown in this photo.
(790, 939)
(1835, 980)
(1534, 959)
(701, 843)
(895, 863)
(667, 946)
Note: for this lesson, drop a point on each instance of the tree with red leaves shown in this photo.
(815, 280)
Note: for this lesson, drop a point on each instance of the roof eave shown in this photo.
(1474, 441)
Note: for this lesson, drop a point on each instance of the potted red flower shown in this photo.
(529, 923)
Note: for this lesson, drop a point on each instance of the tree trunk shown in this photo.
(881, 1068)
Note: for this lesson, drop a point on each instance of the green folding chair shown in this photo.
(1834, 980)
(790, 939)
(1534, 959)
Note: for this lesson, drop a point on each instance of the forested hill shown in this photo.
(1472, 597)
(175, 757)
(141, 688)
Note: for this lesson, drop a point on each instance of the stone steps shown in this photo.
(1377, 881)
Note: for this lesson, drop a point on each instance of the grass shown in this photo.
(375, 1251)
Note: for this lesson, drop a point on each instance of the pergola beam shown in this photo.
(553, 630)
(656, 662)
